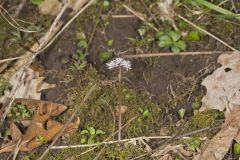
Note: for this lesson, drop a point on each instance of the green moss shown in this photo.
(209, 118)
(100, 112)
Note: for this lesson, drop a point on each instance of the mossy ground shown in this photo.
(100, 109)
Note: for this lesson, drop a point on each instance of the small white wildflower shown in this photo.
(119, 62)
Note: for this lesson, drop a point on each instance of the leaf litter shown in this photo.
(41, 129)
(30, 132)
(223, 93)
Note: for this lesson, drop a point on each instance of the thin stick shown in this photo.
(120, 104)
(138, 15)
(206, 32)
(11, 59)
(112, 142)
(172, 54)
(185, 135)
(123, 16)
(77, 109)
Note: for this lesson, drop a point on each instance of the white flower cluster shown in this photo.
(119, 62)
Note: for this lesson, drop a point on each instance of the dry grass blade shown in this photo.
(172, 54)
(11, 59)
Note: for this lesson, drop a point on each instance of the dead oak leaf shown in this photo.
(223, 85)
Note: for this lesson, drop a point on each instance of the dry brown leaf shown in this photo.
(50, 7)
(223, 86)
(44, 107)
(16, 134)
(53, 7)
(222, 141)
(120, 110)
(31, 87)
(43, 111)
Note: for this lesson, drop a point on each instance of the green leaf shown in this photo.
(83, 140)
(217, 8)
(110, 42)
(140, 110)
(181, 44)
(146, 113)
(174, 35)
(236, 148)
(181, 113)
(196, 105)
(141, 31)
(37, 2)
(193, 36)
(104, 56)
(175, 49)
(90, 141)
(165, 41)
(83, 44)
(100, 131)
(84, 132)
(106, 3)
(194, 145)
(91, 130)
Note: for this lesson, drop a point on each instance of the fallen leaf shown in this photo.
(44, 107)
(53, 7)
(223, 85)
(30, 88)
(50, 7)
(36, 133)
(222, 141)
(16, 134)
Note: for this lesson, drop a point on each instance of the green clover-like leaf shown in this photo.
(174, 35)
(165, 41)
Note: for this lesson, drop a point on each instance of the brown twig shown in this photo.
(173, 54)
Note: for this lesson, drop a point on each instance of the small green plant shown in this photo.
(106, 3)
(196, 104)
(36, 2)
(105, 56)
(181, 113)
(4, 135)
(19, 111)
(110, 42)
(144, 114)
(193, 36)
(82, 43)
(4, 86)
(236, 148)
(171, 39)
(41, 138)
(79, 61)
(90, 135)
(194, 145)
